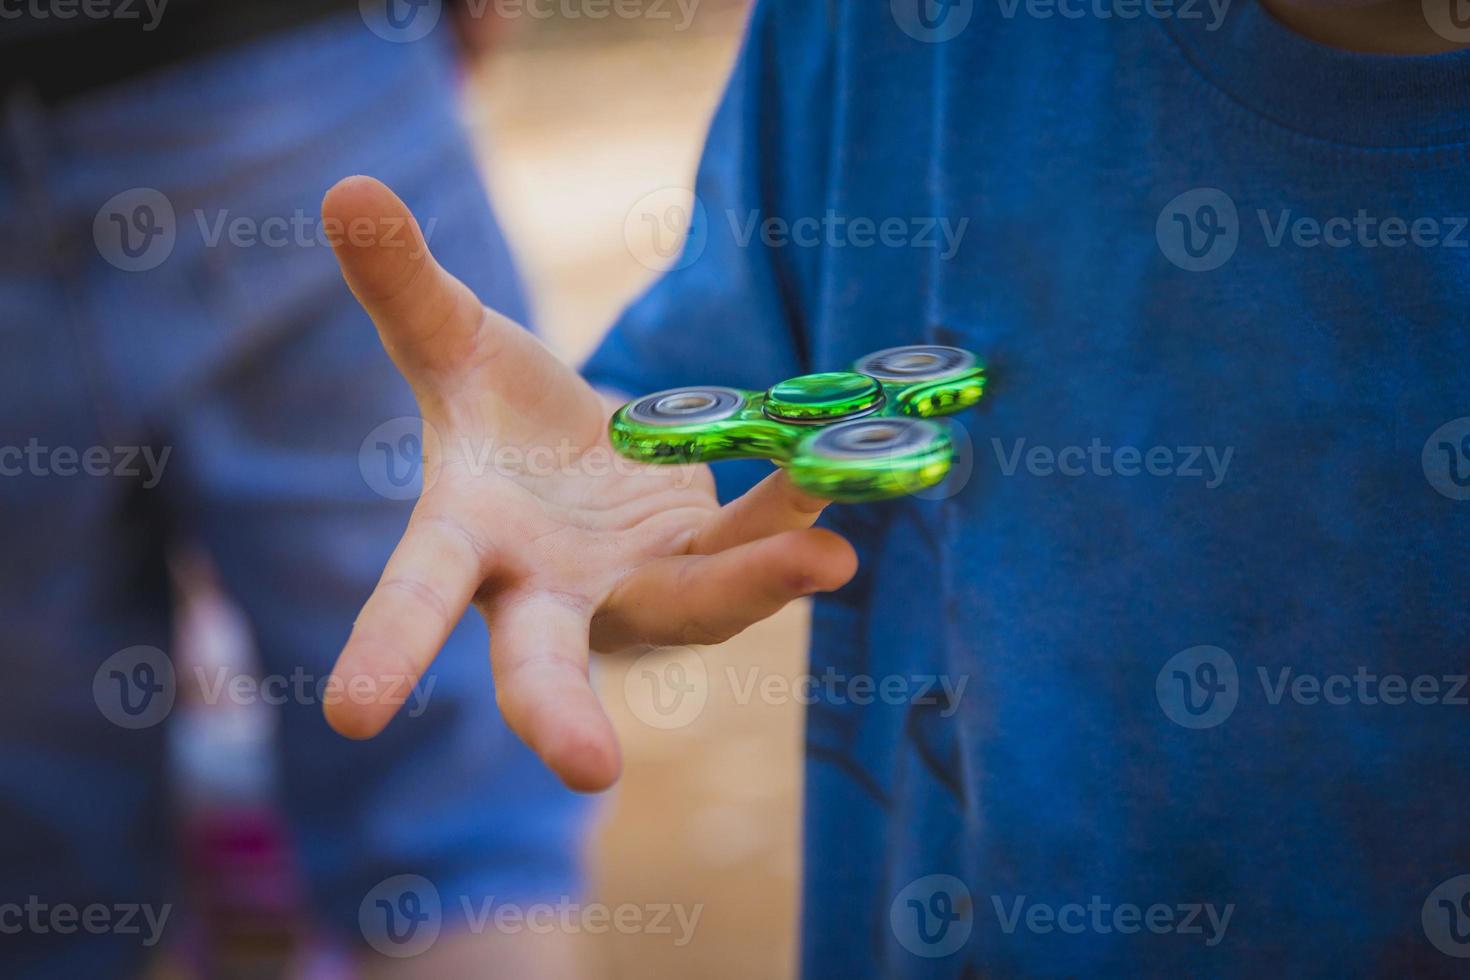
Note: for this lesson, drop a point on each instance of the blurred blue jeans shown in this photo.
(205, 376)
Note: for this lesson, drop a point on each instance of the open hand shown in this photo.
(588, 552)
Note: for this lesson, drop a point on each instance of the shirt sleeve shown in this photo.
(730, 310)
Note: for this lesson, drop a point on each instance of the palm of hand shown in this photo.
(528, 515)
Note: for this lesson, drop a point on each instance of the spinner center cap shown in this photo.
(824, 397)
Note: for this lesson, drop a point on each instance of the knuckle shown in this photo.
(453, 532)
(421, 593)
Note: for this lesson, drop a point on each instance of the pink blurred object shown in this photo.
(248, 911)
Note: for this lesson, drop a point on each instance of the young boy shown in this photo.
(1205, 587)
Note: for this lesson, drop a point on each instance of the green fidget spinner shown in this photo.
(852, 435)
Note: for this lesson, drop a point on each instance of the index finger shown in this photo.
(771, 506)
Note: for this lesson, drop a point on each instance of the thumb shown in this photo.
(428, 320)
(437, 331)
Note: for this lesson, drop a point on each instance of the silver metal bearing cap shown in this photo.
(921, 362)
(686, 406)
(874, 438)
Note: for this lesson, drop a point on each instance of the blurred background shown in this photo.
(582, 125)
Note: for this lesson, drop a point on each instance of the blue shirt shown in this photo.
(1205, 585)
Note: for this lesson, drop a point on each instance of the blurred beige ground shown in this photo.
(579, 124)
